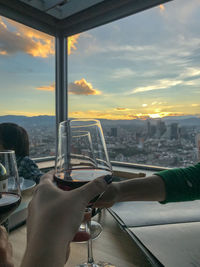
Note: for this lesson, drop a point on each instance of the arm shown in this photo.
(181, 184)
(174, 185)
(150, 188)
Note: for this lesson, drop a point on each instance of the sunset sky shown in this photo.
(146, 65)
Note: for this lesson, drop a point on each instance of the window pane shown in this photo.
(140, 76)
(27, 84)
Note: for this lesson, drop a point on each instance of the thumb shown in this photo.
(95, 187)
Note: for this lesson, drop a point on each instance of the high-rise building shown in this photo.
(160, 128)
(148, 128)
(151, 129)
(198, 146)
(113, 132)
(174, 131)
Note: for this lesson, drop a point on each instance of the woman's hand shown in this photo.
(54, 217)
(5, 249)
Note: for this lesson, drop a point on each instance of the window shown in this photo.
(140, 76)
(27, 84)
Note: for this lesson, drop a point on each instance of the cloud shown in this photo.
(82, 87)
(123, 109)
(112, 114)
(161, 84)
(189, 77)
(195, 105)
(162, 8)
(123, 73)
(190, 73)
(72, 41)
(16, 38)
(49, 88)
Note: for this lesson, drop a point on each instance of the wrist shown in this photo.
(118, 191)
(37, 251)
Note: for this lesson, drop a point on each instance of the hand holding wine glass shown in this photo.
(53, 219)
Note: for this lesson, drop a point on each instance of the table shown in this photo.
(113, 245)
(172, 244)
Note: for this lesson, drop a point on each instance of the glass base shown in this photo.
(98, 264)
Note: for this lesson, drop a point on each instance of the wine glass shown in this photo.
(82, 157)
(10, 195)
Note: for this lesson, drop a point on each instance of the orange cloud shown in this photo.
(28, 40)
(123, 109)
(195, 105)
(3, 52)
(162, 7)
(82, 87)
(49, 88)
(72, 41)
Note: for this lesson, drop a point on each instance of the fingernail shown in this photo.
(108, 179)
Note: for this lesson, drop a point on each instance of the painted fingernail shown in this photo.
(108, 179)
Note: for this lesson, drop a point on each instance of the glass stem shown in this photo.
(90, 252)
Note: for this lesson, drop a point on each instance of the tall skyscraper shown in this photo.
(113, 132)
(174, 131)
(160, 128)
(198, 146)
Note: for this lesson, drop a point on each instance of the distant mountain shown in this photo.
(183, 120)
(27, 121)
(49, 121)
(114, 123)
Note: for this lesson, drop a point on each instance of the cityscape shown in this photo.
(155, 143)
(167, 142)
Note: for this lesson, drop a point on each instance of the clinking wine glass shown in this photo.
(82, 157)
(81, 160)
(10, 194)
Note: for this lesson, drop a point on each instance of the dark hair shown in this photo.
(14, 137)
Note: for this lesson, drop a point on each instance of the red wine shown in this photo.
(74, 179)
(78, 177)
(8, 203)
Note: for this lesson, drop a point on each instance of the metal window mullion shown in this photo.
(61, 88)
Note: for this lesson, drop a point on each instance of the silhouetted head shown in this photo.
(14, 137)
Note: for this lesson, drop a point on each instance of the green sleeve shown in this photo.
(182, 184)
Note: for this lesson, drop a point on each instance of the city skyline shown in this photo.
(145, 65)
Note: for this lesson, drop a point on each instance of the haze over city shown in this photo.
(146, 65)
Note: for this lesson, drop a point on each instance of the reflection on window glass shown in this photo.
(140, 76)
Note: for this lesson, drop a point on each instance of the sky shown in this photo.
(145, 65)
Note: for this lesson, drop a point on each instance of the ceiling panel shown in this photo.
(69, 17)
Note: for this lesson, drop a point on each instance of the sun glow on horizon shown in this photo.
(114, 115)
